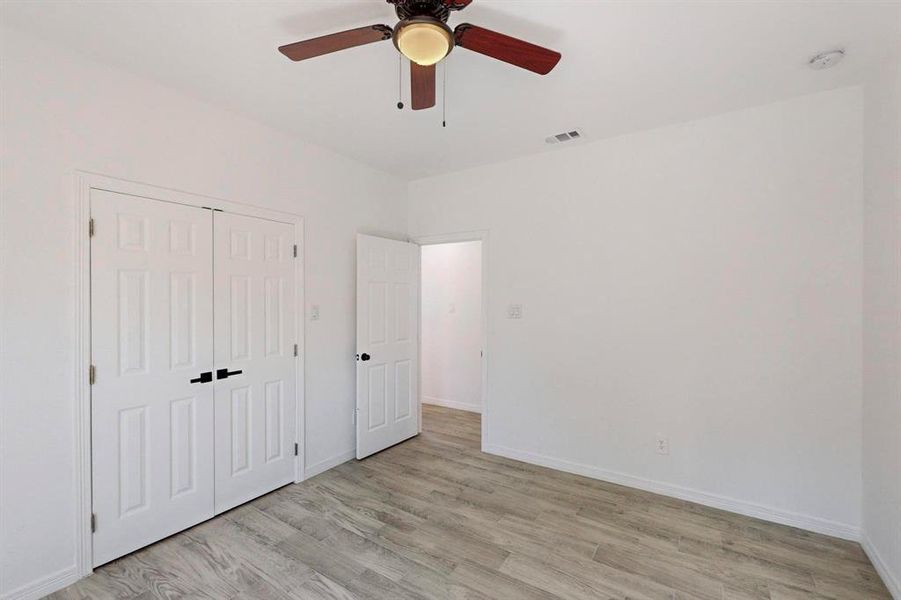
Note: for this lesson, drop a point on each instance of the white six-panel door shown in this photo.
(192, 334)
(152, 331)
(255, 407)
(387, 343)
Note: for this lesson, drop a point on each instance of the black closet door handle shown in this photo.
(205, 377)
(225, 373)
(365, 356)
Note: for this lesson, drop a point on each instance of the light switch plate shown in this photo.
(662, 444)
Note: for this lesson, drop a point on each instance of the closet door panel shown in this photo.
(151, 334)
(255, 388)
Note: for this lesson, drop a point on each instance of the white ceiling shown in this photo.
(626, 66)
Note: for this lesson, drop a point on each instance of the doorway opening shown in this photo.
(452, 340)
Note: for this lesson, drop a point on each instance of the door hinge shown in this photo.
(295, 250)
(91, 227)
(295, 350)
(92, 375)
(296, 448)
(93, 522)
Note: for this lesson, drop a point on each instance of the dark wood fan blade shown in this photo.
(336, 41)
(508, 49)
(422, 81)
(457, 4)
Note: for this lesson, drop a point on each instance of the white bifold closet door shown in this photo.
(151, 334)
(387, 343)
(193, 404)
(255, 403)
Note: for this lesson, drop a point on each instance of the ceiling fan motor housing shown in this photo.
(408, 9)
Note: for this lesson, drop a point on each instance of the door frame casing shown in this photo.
(83, 183)
(480, 235)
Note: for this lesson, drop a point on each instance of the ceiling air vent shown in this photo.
(566, 136)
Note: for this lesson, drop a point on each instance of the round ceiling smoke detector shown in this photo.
(824, 60)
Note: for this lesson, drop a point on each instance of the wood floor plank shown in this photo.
(320, 587)
(496, 584)
(223, 539)
(435, 518)
(322, 558)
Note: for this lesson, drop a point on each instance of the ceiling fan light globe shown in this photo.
(424, 43)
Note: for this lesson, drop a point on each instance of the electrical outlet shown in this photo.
(314, 312)
(514, 311)
(662, 445)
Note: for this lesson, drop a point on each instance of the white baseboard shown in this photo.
(749, 509)
(476, 408)
(890, 579)
(329, 463)
(43, 587)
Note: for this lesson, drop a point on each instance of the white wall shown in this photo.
(452, 325)
(61, 113)
(700, 281)
(882, 323)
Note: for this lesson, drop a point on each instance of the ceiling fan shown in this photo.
(422, 35)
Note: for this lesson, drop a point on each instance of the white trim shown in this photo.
(330, 463)
(300, 430)
(155, 192)
(43, 587)
(749, 509)
(450, 238)
(888, 578)
(84, 182)
(469, 407)
(82, 438)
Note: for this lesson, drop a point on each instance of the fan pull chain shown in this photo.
(400, 81)
(444, 96)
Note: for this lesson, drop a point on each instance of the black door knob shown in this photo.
(365, 356)
(204, 378)
(225, 373)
